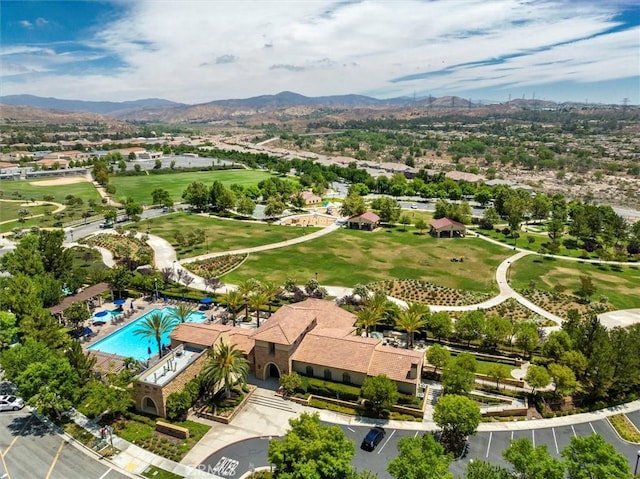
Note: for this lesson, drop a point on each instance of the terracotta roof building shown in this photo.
(445, 225)
(366, 221)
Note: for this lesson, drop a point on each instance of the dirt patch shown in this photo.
(60, 181)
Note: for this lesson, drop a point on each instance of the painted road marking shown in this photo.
(105, 474)
(555, 440)
(18, 436)
(594, 431)
(352, 430)
(385, 442)
(4, 465)
(489, 444)
(416, 434)
(226, 466)
(55, 459)
(533, 437)
(574, 431)
(511, 436)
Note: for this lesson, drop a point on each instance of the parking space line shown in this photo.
(594, 431)
(55, 459)
(385, 442)
(4, 465)
(105, 474)
(574, 431)
(18, 436)
(511, 436)
(489, 444)
(533, 437)
(352, 430)
(555, 440)
(416, 434)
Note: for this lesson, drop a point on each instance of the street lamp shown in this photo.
(155, 283)
(316, 276)
(635, 470)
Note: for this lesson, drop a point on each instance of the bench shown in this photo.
(172, 430)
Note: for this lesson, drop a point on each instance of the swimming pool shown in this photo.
(124, 343)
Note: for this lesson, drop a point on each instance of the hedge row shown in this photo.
(321, 387)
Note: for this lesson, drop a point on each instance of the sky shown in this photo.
(195, 51)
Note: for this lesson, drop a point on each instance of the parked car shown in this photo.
(106, 224)
(373, 438)
(414, 206)
(11, 403)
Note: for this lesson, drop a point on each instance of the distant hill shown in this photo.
(30, 114)
(287, 99)
(100, 107)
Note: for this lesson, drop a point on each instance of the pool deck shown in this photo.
(141, 307)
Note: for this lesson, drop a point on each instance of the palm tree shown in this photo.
(257, 301)
(410, 321)
(233, 300)
(421, 310)
(155, 326)
(182, 312)
(246, 288)
(368, 318)
(225, 365)
(271, 290)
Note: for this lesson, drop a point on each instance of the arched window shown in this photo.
(310, 371)
(327, 374)
(346, 378)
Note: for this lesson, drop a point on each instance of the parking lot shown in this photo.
(240, 457)
(28, 449)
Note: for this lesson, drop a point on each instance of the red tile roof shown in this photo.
(395, 363)
(369, 216)
(291, 321)
(444, 222)
(198, 333)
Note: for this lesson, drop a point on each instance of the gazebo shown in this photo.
(445, 225)
(366, 221)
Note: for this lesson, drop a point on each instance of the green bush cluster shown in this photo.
(321, 387)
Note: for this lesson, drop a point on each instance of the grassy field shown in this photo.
(26, 189)
(347, 257)
(140, 187)
(618, 283)
(221, 235)
(9, 209)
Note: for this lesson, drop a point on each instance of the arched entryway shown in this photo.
(272, 371)
(149, 406)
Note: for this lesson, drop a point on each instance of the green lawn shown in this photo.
(9, 209)
(34, 191)
(619, 283)
(347, 257)
(221, 235)
(140, 187)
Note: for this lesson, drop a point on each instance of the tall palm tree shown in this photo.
(155, 326)
(257, 301)
(421, 310)
(225, 365)
(409, 321)
(233, 300)
(271, 290)
(368, 318)
(246, 288)
(182, 312)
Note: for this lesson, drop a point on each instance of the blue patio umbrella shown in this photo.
(206, 300)
(119, 302)
(101, 314)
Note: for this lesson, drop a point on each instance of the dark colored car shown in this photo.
(372, 439)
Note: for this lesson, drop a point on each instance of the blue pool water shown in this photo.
(124, 343)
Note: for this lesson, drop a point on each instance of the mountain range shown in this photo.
(284, 107)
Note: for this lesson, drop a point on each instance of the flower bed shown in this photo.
(560, 303)
(418, 291)
(217, 266)
(122, 246)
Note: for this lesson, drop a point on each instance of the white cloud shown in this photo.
(196, 51)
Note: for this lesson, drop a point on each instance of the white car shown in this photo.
(11, 403)
(414, 206)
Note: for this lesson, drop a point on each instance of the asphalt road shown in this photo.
(239, 458)
(28, 449)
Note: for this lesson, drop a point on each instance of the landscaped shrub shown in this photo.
(178, 404)
(320, 387)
